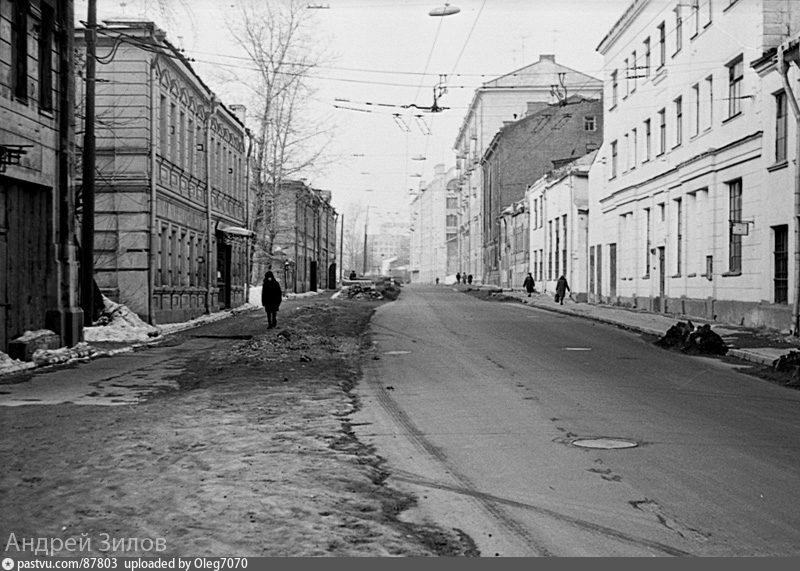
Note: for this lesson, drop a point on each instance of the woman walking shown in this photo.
(528, 284)
(271, 297)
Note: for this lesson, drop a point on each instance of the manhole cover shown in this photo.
(604, 443)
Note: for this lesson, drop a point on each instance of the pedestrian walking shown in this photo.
(528, 284)
(562, 287)
(352, 274)
(271, 297)
(437, 281)
(458, 278)
(469, 279)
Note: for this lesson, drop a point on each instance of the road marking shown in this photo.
(397, 353)
(577, 348)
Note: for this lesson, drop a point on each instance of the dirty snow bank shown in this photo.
(9, 365)
(118, 323)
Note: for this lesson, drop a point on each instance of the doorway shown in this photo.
(313, 277)
(658, 304)
(781, 265)
(224, 275)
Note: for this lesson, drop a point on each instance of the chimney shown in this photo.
(240, 111)
(547, 57)
(534, 106)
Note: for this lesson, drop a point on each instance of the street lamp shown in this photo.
(446, 10)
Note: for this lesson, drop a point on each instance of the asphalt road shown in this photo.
(476, 407)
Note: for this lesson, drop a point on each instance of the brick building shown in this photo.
(171, 206)
(521, 152)
(38, 268)
(304, 250)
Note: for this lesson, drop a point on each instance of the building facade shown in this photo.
(558, 210)
(304, 249)
(506, 98)
(429, 259)
(171, 237)
(38, 259)
(689, 203)
(521, 152)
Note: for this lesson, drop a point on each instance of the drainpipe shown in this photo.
(209, 150)
(249, 243)
(783, 67)
(151, 256)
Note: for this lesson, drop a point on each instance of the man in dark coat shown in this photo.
(271, 297)
(562, 287)
(528, 284)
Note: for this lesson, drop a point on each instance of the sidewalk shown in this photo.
(756, 346)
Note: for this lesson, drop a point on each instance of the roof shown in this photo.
(542, 73)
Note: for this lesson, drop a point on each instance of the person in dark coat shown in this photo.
(562, 287)
(352, 274)
(469, 279)
(458, 278)
(271, 297)
(528, 284)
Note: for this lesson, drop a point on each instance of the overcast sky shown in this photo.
(392, 52)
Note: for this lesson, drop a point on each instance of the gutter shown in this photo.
(783, 68)
(151, 257)
(209, 272)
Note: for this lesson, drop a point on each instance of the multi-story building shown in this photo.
(429, 226)
(304, 248)
(505, 98)
(38, 264)
(521, 152)
(390, 244)
(558, 212)
(514, 251)
(690, 204)
(171, 237)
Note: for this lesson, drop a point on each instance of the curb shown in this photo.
(743, 354)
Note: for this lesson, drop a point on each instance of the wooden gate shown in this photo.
(25, 235)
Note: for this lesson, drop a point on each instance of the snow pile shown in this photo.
(118, 323)
(63, 355)
(255, 295)
(9, 365)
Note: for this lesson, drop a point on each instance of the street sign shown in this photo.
(739, 228)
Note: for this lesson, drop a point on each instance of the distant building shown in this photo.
(558, 210)
(388, 247)
(304, 250)
(692, 198)
(521, 152)
(506, 98)
(171, 218)
(39, 284)
(429, 224)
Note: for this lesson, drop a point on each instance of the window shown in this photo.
(613, 159)
(735, 77)
(710, 101)
(678, 234)
(564, 244)
(452, 220)
(734, 240)
(163, 125)
(696, 113)
(19, 48)
(647, 140)
(647, 57)
(627, 78)
(590, 123)
(678, 29)
(694, 17)
(780, 127)
(634, 70)
(634, 147)
(678, 121)
(662, 131)
(647, 242)
(452, 202)
(781, 257)
(190, 146)
(46, 57)
(626, 158)
(705, 9)
(662, 44)
(173, 136)
(614, 87)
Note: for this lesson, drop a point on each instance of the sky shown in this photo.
(391, 52)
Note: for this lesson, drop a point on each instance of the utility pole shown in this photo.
(88, 192)
(366, 222)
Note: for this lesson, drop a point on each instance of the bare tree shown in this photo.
(276, 35)
(353, 246)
